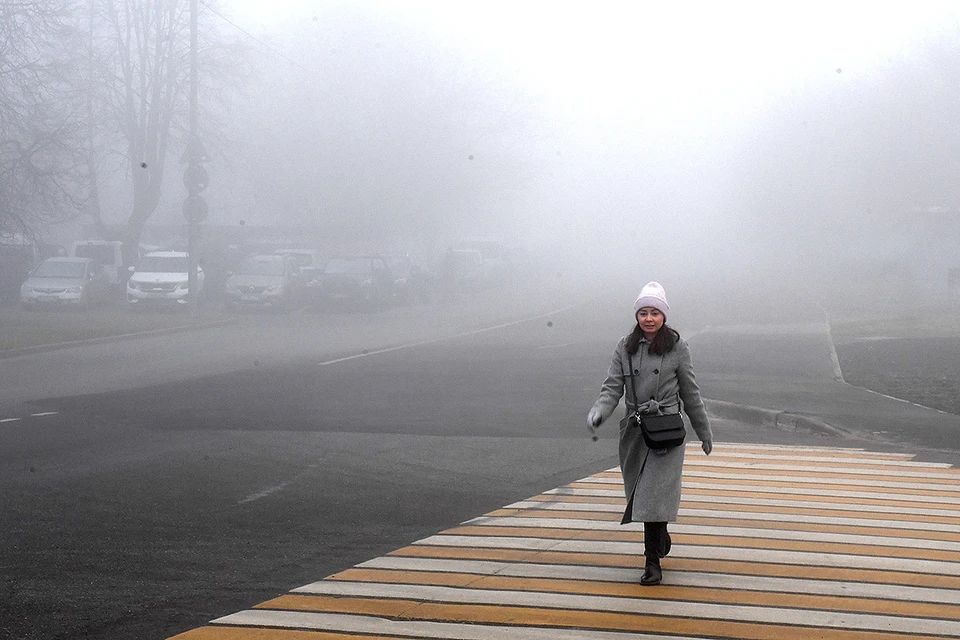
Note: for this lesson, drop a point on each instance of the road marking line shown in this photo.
(351, 623)
(10, 419)
(369, 582)
(736, 500)
(723, 532)
(266, 492)
(812, 480)
(681, 578)
(466, 334)
(704, 551)
(448, 602)
(43, 413)
(715, 489)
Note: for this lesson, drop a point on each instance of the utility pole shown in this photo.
(195, 176)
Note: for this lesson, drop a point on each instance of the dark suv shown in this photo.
(359, 282)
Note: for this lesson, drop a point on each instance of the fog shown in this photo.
(740, 144)
(810, 148)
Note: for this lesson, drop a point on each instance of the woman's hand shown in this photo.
(594, 418)
(707, 446)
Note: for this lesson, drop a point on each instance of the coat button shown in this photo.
(636, 372)
(656, 371)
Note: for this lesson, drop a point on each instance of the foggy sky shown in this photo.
(368, 123)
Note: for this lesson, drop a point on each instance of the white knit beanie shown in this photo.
(652, 295)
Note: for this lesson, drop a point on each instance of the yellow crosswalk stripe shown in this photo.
(771, 542)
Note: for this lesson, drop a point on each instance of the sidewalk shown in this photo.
(791, 369)
(772, 542)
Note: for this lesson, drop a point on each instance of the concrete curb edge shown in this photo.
(783, 420)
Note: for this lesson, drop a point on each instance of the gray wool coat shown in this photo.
(652, 479)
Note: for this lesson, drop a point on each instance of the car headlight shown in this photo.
(74, 289)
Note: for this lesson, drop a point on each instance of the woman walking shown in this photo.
(652, 364)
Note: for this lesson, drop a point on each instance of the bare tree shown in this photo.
(139, 73)
(40, 169)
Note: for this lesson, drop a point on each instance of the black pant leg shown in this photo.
(655, 539)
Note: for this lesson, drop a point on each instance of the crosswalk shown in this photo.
(772, 542)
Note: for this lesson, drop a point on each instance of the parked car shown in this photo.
(411, 282)
(305, 258)
(162, 279)
(362, 282)
(109, 253)
(65, 281)
(268, 281)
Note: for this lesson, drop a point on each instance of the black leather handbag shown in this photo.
(660, 430)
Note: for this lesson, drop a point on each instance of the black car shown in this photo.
(353, 282)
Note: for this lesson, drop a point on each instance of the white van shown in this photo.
(107, 253)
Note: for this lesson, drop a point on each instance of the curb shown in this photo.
(783, 420)
(42, 348)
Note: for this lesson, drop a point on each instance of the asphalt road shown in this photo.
(148, 486)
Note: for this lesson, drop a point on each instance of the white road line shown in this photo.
(805, 519)
(466, 334)
(720, 459)
(266, 492)
(376, 626)
(797, 480)
(43, 413)
(754, 502)
(703, 552)
(673, 578)
(642, 606)
(10, 419)
(905, 541)
(723, 446)
(690, 464)
(716, 489)
(908, 525)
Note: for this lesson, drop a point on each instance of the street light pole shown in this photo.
(195, 176)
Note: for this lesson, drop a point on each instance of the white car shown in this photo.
(162, 279)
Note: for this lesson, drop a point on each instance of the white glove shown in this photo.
(707, 446)
(594, 418)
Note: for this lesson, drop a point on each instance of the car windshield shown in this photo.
(163, 264)
(349, 266)
(59, 269)
(261, 266)
(102, 253)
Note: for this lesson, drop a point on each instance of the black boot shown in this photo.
(668, 545)
(652, 574)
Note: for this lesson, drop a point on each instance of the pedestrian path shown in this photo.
(772, 542)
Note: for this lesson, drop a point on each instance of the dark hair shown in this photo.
(663, 342)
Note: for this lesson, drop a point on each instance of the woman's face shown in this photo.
(650, 320)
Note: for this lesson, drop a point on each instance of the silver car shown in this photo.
(267, 281)
(77, 282)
